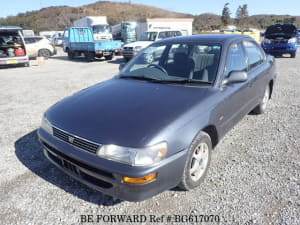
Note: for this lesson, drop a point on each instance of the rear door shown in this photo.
(258, 70)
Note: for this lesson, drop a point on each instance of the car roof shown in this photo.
(208, 38)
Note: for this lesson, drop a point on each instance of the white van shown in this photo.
(131, 49)
(12, 46)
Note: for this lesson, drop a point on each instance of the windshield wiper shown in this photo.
(140, 78)
(187, 81)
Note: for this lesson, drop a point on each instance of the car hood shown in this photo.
(281, 31)
(125, 112)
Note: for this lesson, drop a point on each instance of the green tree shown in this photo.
(242, 15)
(226, 15)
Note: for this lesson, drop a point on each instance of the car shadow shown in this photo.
(77, 59)
(30, 152)
(117, 61)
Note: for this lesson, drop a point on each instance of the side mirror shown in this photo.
(121, 66)
(235, 77)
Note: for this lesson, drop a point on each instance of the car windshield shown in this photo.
(101, 29)
(175, 62)
(149, 36)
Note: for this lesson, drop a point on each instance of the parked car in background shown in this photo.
(298, 36)
(39, 46)
(57, 41)
(132, 49)
(12, 46)
(281, 39)
(153, 126)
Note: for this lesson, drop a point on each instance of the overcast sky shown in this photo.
(291, 7)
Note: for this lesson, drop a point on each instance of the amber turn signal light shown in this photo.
(140, 180)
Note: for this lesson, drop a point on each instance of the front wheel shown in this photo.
(293, 54)
(197, 162)
(262, 106)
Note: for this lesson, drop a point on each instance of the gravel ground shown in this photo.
(253, 179)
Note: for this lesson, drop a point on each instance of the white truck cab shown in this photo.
(131, 49)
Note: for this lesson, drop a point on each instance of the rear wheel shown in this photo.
(44, 53)
(197, 162)
(70, 54)
(261, 108)
(89, 56)
(109, 57)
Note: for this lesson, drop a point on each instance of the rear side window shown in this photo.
(29, 40)
(254, 54)
(236, 60)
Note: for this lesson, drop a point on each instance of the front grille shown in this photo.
(76, 141)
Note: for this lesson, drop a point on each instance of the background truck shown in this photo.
(184, 25)
(125, 31)
(99, 25)
(156, 29)
(80, 40)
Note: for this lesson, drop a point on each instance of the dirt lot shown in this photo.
(254, 177)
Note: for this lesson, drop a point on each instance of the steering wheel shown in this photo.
(158, 67)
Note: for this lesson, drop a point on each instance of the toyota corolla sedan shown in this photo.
(154, 125)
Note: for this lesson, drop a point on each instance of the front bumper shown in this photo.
(107, 176)
(128, 54)
(279, 48)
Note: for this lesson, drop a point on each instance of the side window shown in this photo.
(66, 34)
(236, 60)
(254, 54)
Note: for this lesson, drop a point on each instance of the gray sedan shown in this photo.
(153, 126)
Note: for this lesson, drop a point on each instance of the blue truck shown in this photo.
(80, 41)
(280, 39)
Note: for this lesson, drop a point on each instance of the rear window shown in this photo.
(10, 38)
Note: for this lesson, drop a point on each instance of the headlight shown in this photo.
(292, 40)
(134, 156)
(267, 41)
(46, 125)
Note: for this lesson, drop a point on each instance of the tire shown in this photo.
(261, 107)
(26, 64)
(199, 153)
(109, 57)
(293, 55)
(89, 56)
(44, 53)
(70, 54)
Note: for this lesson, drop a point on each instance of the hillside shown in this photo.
(58, 18)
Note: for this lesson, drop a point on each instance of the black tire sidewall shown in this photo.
(186, 182)
(42, 53)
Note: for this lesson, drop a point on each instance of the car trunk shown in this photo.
(11, 44)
